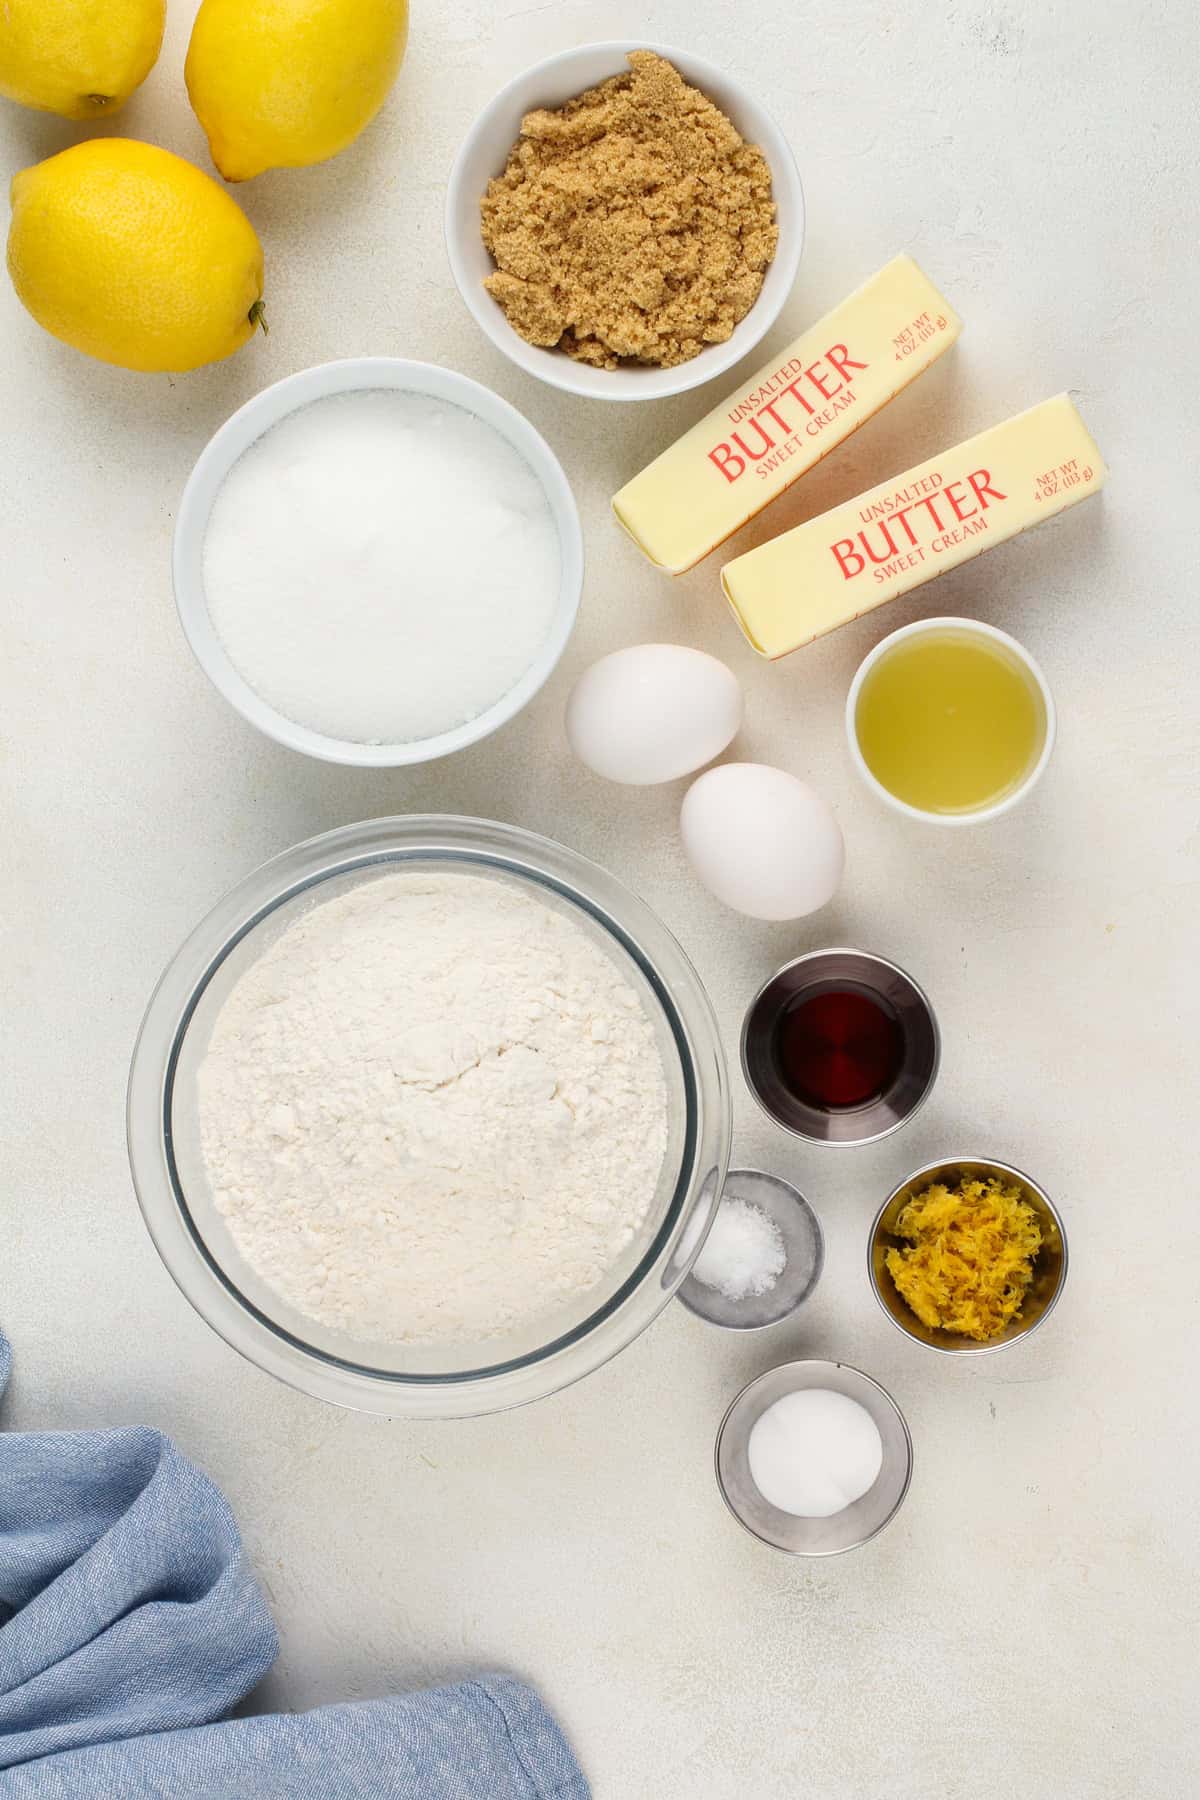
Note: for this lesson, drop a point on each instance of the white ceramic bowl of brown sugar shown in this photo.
(484, 154)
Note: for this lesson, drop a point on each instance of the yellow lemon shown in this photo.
(80, 58)
(134, 256)
(278, 84)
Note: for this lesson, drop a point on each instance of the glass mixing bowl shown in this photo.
(424, 1380)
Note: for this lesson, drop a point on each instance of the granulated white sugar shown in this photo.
(433, 1109)
(381, 566)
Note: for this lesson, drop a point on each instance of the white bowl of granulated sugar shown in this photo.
(377, 561)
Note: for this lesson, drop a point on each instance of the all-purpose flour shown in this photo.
(432, 1109)
(381, 566)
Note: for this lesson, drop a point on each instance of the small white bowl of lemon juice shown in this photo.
(377, 561)
(950, 721)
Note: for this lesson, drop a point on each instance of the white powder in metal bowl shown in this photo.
(743, 1255)
(432, 1110)
(381, 566)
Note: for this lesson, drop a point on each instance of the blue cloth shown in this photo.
(130, 1622)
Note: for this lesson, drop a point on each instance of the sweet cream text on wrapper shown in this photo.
(909, 529)
(789, 415)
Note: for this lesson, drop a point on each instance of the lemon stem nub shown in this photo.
(99, 100)
(258, 316)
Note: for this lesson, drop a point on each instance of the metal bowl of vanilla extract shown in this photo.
(841, 1047)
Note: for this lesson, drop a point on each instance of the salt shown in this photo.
(743, 1253)
(814, 1453)
(381, 566)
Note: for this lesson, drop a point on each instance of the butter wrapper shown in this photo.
(787, 416)
(915, 526)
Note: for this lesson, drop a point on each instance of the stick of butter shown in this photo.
(788, 415)
(913, 527)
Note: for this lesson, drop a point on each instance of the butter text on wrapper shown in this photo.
(823, 573)
(790, 414)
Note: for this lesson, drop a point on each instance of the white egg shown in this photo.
(652, 713)
(762, 841)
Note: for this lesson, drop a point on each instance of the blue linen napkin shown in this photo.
(130, 1621)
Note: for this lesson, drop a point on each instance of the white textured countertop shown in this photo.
(1024, 1626)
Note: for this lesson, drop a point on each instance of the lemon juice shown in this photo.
(950, 721)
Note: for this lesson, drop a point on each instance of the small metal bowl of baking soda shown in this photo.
(814, 1458)
(762, 1257)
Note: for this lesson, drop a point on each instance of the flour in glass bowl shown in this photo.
(381, 566)
(432, 1110)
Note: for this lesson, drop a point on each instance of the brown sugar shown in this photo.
(633, 223)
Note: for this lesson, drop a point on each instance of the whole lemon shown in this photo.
(134, 256)
(278, 84)
(80, 58)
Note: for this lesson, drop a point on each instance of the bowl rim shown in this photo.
(972, 628)
(820, 1362)
(612, 1325)
(626, 384)
(884, 962)
(1005, 1168)
(280, 400)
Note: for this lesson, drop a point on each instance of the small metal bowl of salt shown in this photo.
(762, 1257)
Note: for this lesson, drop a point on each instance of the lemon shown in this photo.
(134, 256)
(77, 57)
(278, 84)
